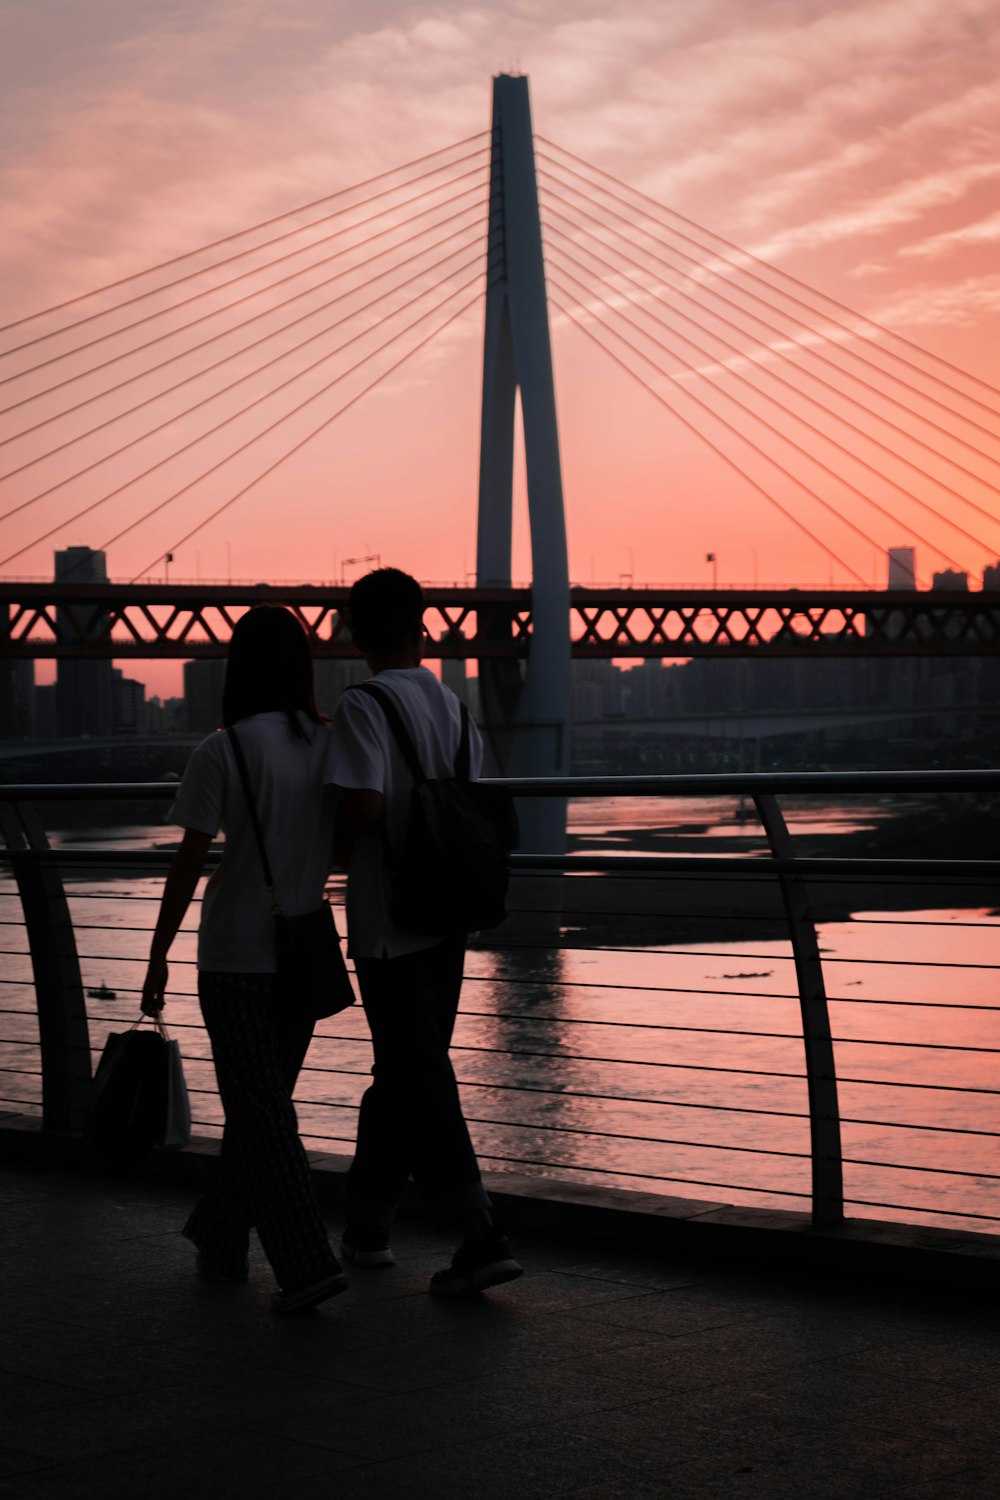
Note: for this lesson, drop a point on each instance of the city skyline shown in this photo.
(854, 147)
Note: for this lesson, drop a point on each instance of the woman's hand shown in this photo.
(154, 987)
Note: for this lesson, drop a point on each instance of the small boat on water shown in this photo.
(101, 992)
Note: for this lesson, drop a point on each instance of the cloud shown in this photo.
(980, 232)
(908, 204)
(956, 305)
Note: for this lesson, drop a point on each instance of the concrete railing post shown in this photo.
(63, 1034)
(821, 1072)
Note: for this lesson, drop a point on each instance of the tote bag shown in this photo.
(138, 1097)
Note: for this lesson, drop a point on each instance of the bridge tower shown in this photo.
(526, 709)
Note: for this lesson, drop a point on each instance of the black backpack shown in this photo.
(451, 874)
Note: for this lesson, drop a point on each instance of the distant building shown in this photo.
(902, 568)
(332, 677)
(45, 712)
(203, 682)
(952, 580)
(167, 716)
(597, 689)
(17, 700)
(129, 704)
(991, 577)
(84, 689)
(454, 671)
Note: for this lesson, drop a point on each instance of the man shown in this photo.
(411, 1121)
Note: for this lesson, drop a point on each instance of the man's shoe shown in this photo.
(299, 1298)
(366, 1245)
(476, 1265)
(208, 1269)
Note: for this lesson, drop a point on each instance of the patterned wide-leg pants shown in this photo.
(258, 1044)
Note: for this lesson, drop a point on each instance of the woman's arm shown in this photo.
(182, 879)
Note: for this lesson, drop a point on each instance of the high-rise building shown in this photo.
(331, 677)
(84, 689)
(203, 681)
(902, 568)
(454, 671)
(45, 712)
(17, 700)
(129, 704)
(991, 577)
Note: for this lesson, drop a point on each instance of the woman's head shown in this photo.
(269, 667)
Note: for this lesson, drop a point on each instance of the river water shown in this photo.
(642, 1033)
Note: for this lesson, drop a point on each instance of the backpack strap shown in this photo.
(403, 738)
(463, 759)
(394, 719)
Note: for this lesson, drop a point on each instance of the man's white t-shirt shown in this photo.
(290, 779)
(365, 757)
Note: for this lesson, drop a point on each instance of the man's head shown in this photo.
(386, 610)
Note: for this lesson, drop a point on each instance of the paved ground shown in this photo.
(605, 1374)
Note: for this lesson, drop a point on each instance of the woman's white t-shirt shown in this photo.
(289, 776)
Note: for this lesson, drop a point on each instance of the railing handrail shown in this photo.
(648, 864)
(722, 783)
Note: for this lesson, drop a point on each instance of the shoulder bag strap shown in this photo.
(241, 767)
(394, 719)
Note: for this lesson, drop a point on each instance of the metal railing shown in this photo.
(590, 1046)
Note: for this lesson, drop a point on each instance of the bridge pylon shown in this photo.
(526, 708)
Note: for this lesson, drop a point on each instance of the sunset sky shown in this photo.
(852, 145)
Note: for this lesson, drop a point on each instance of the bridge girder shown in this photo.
(182, 621)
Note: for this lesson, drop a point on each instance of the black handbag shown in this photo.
(311, 964)
(129, 1096)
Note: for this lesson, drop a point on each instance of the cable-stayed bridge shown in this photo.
(154, 405)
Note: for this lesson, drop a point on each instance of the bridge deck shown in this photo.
(604, 1373)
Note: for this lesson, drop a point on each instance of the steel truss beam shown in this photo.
(188, 620)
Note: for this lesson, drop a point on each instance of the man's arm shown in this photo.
(357, 810)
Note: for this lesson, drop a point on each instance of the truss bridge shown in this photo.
(39, 620)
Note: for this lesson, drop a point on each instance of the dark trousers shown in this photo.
(411, 1122)
(258, 1044)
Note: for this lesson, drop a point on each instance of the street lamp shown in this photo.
(347, 562)
(710, 557)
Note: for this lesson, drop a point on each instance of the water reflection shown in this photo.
(643, 1033)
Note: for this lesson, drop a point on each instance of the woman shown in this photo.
(259, 1035)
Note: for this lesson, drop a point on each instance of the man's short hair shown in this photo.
(385, 609)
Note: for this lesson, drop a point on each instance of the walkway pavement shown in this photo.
(605, 1374)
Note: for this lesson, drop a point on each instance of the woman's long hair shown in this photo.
(269, 668)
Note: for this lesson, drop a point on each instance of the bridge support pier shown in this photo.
(527, 710)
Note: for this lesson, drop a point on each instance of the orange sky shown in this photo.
(853, 145)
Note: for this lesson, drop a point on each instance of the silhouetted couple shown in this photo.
(319, 786)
